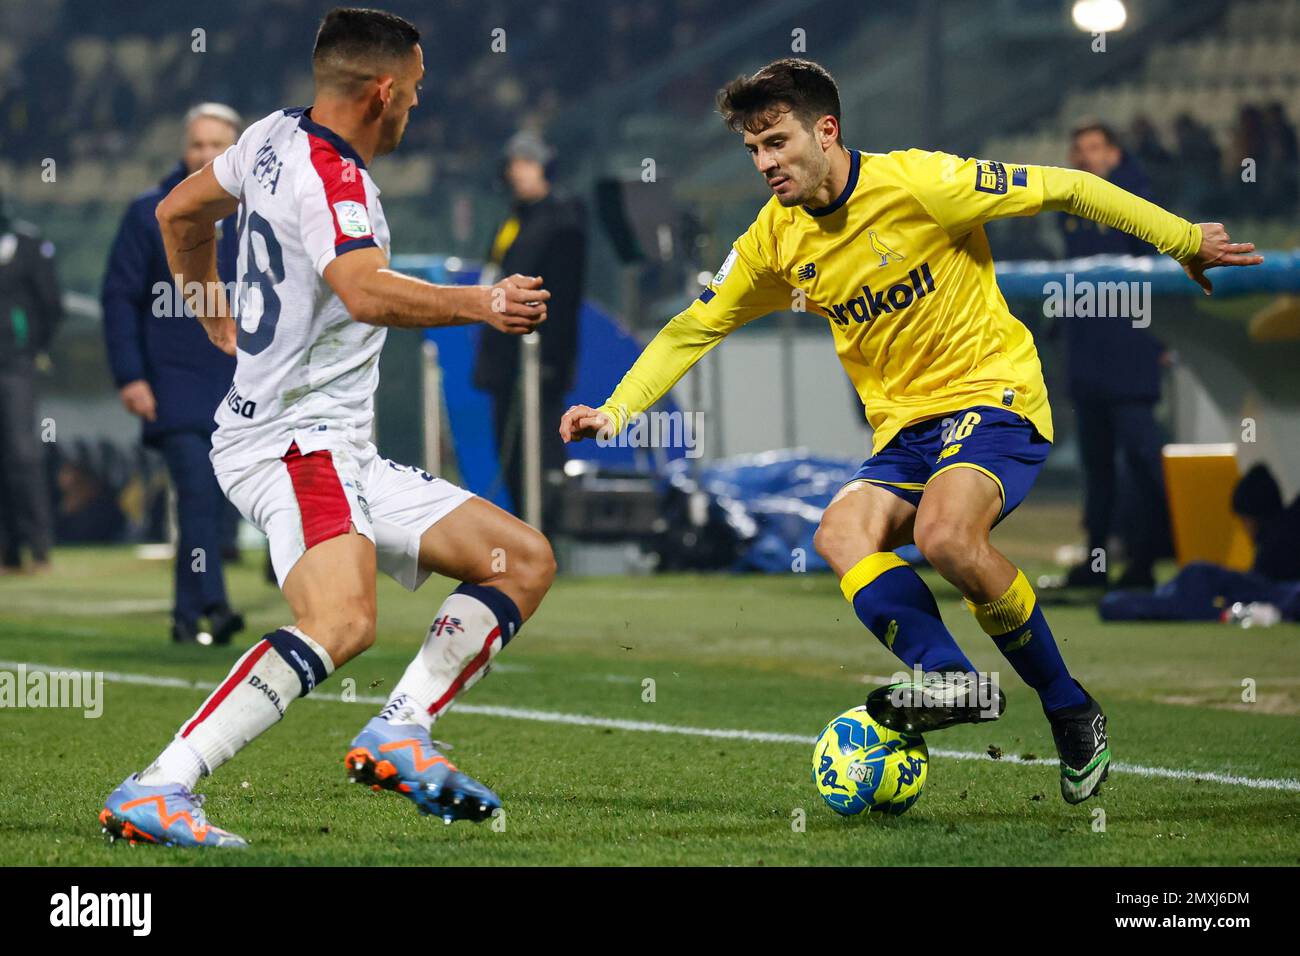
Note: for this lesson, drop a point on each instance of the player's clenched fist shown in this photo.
(516, 304)
(583, 421)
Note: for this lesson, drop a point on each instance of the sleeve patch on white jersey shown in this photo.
(723, 272)
(353, 219)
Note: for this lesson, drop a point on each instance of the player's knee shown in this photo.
(946, 545)
(344, 635)
(839, 542)
(536, 563)
(357, 633)
(826, 540)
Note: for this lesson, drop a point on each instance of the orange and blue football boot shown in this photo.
(403, 759)
(168, 815)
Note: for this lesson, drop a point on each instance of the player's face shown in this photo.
(405, 96)
(205, 140)
(790, 157)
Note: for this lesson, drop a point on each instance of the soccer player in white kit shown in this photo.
(293, 447)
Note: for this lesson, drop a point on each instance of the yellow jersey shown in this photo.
(900, 267)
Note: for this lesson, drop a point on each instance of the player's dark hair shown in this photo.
(1095, 126)
(805, 88)
(354, 44)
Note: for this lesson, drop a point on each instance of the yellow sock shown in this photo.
(1009, 612)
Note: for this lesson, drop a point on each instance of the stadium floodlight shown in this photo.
(1099, 16)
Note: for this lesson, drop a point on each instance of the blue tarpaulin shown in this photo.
(772, 501)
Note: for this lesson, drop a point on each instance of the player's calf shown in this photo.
(285, 665)
(886, 593)
(471, 627)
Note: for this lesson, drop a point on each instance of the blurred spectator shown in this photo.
(1281, 164)
(30, 310)
(1114, 379)
(1199, 173)
(172, 378)
(1151, 156)
(544, 235)
(1247, 144)
(52, 106)
(88, 512)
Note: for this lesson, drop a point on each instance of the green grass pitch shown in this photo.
(776, 656)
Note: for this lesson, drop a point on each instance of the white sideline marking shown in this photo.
(644, 726)
(97, 608)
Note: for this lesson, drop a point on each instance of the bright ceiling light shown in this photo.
(1099, 16)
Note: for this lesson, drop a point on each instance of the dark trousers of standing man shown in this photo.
(200, 513)
(507, 426)
(1107, 430)
(22, 458)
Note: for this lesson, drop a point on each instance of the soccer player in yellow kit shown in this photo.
(891, 249)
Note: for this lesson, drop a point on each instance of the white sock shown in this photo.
(178, 763)
(472, 625)
(283, 666)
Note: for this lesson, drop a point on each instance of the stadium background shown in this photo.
(613, 85)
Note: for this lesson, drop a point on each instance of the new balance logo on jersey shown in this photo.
(807, 272)
(871, 304)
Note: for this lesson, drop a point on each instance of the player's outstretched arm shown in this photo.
(739, 293)
(1196, 246)
(376, 295)
(187, 218)
(681, 343)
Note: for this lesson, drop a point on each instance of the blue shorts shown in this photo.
(992, 440)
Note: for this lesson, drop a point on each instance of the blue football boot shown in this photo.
(402, 758)
(167, 814)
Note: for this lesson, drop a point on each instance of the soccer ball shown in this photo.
(859, 765)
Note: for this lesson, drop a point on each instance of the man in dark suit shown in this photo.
(545, 235)
(1114, 380)
(172, 378)
(30, 311)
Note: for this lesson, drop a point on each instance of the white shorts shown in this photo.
(302, 499)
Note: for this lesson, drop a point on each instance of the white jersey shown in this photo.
(306, 371)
